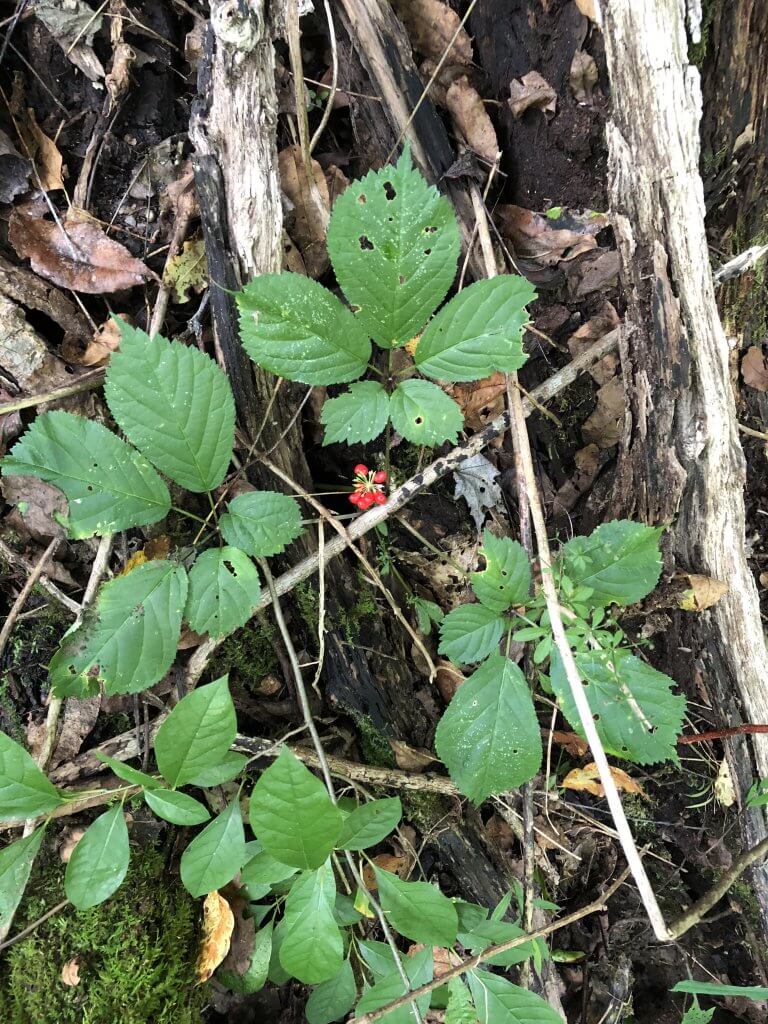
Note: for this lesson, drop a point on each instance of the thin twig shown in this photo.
(35, 924)
(184, 211)
(87, 382)
(24, 593)
(334, 80)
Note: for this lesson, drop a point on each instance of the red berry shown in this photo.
(380, 477)
(355, 497)
(380, 498)
(366, 500)
(361, 470)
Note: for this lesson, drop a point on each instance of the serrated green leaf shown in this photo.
(99, 862)
(498, 1001)
(506, 579)
(263, 869)
(479, 331)
(25, 792)
(712, 988)
(16, 862)
(394, 244)
(427, 612)
(424, 414)
(492, 933)
(178, 808)
(619, 561)
(417, 910)
(695, 1015)
(224, 590)
(470, 633)
(460, 1008)
(637, 715)
(109, 486)
(312, 949)
(292, 815)
(261, 523)
(357, 415)
(332, 999)
(419, 970)
(229, 767)
(255, 976)
(131, 642)
(128, 774)
(489, 736)
(175, 404)
(297, 329)
(197, 734)
(370, 823)
(214, 857)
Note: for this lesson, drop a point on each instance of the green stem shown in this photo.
(189, 515)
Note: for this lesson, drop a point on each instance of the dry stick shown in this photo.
(474, 961)
(184, 211)
(24, 593)
(402, 495)
(334, 80)
(326, 773)
(13, 558)
(87, 382)
(745, 729)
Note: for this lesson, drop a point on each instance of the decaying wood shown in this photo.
(681, 462)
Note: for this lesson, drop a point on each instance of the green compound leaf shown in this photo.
(255, 976)
(370, 823)
(25, 791)
(292, 815)
(223, 593)
(358, 415)
(506, 579)
(214, 857)
(128, 774)
(419, 969)
(424, 414)
(99, 862)
(470, 633)
(637, 715)
(174, 404)
(417, 910)
(460, 1008)
(427, 612)
(197, 734)
(16, 862)
(297, 329)
(480, 330)
(312, 949)
(498, 1001)
(109, 485)
(178, 808)
(132, 641)
(332, 999)
(489, 737)
(619, 561)
(394, 244)
(261, 523)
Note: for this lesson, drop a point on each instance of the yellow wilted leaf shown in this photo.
(158, 547)
(362, 905)
(218, 925)
(187, 271)
(587, 779)
(410, 346)
(703, 593)
(724, 791)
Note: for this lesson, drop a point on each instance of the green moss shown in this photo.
(248, 655)
(697, 52)
(349, 620)
(424, 809)
(308, 602)
(373, 744)
(30, 648)
(135, 953)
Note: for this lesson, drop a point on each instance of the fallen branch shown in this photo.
(745, 729)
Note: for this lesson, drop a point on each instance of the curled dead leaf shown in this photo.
(702, 592)
(532, 90)
(68, 840)
(587, 779)
(157, 548)
(70, 973)
(471, 118)
(594, 329)
(575, 745)
(443, 959)
(583, 76)
(411, 759)
(45, 155)
(448, 679)
(311, 208)
(238, 957)
(754, 369)
(431, 25)
(218, 926)
(604, 426)
(105, 341)
(387, 862)
(549, 240)
(587, 465)
(588, 8)
(78, 255)
(480, 400)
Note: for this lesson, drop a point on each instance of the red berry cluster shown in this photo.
(367, 490)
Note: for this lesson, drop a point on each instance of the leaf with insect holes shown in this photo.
(506, 579)
(197, 734)
(470, 633)
(25, 791)
(16, 860)
(394, 244)
(619, 561)
(175, 404)
(498, 1001)
(223, 593)
(99, 862)
(292, 815)
(480, 330)
(312, 949)
(261, 523)
(417, 910)
(424, 414)
(131, 642)
(296, 329)
(489, 736)
(214, 857)
(419, 969)
(637, 716)
(357, 415)
(332, 999)
(109, 485)
(475, 480)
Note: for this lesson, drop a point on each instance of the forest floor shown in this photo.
(96, 111)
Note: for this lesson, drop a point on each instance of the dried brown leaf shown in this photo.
(70, 973)
(548, 241)
(447, 679)
(604, 427)
(532, 90)
(80, 257)
(480, 401)
(588, 8)
(68, 840)
(218, 926)
(587, 779)
(587, 462)
(238, 958)
(702, 592)
(78, 720)
(596, 273)
(575, 745)
(590, 332)
(754, 369)
(387, 862)
(431, 25)
(311, 208)
(471, 118)
(47, 158)
(411, 759)
(583, 76)
(105, 341)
